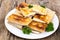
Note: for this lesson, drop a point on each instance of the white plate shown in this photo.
(19, 33)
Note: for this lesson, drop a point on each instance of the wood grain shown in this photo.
(7, 5)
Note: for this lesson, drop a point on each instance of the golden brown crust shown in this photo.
(19, 19)
(23, 4)
(45, 18)
(38, 26)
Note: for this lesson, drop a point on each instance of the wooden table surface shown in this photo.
(7, 5)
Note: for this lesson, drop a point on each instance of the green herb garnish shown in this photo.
(43, 6)
(30, 6)
(50, 27)
(26, 30)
